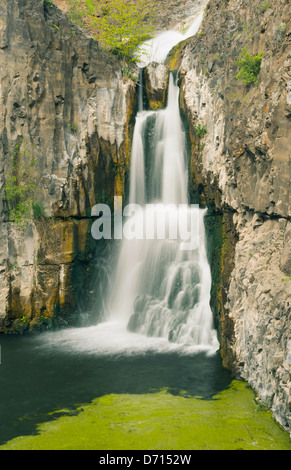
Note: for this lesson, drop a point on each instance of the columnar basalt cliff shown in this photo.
(64, 98)
(239, 136)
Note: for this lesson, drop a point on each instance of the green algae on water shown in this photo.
(160, 421)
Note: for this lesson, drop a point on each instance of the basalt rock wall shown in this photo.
(64, 102)
(239, 136)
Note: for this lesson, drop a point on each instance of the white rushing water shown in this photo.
(160, 289)
(160, 299)
(157, 49)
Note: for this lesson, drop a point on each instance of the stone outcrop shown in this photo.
(64, 98)
(239, 138)
(155, 84)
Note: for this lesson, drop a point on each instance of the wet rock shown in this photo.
(156, 80)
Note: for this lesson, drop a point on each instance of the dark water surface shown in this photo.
(36, 379)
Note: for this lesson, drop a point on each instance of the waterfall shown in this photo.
(157, 49)
(159, 293)
(162, 286)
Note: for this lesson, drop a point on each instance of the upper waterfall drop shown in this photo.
(163, 177)
(157, 49)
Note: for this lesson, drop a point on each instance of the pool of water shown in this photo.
(51, 371)
(121, 390)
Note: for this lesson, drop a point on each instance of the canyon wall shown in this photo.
(239, 136)
(65, 104)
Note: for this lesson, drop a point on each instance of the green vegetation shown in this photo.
(38, 210)
(119, 25)
(250, 66)
(281, 28)
(200, 130)
(20, 187)
(263, 6)
(76, 13)
(174, 58)
(127, 74)
(13, 267)
(230, 421)
(125, 26)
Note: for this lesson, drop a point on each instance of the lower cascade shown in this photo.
(162, 280)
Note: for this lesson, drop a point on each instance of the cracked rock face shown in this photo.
(242, 167)
(65, 98)
(259, 305)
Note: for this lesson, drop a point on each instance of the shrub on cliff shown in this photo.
(263, 6)
(250, 66)
(21, 186)
(119, 25)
